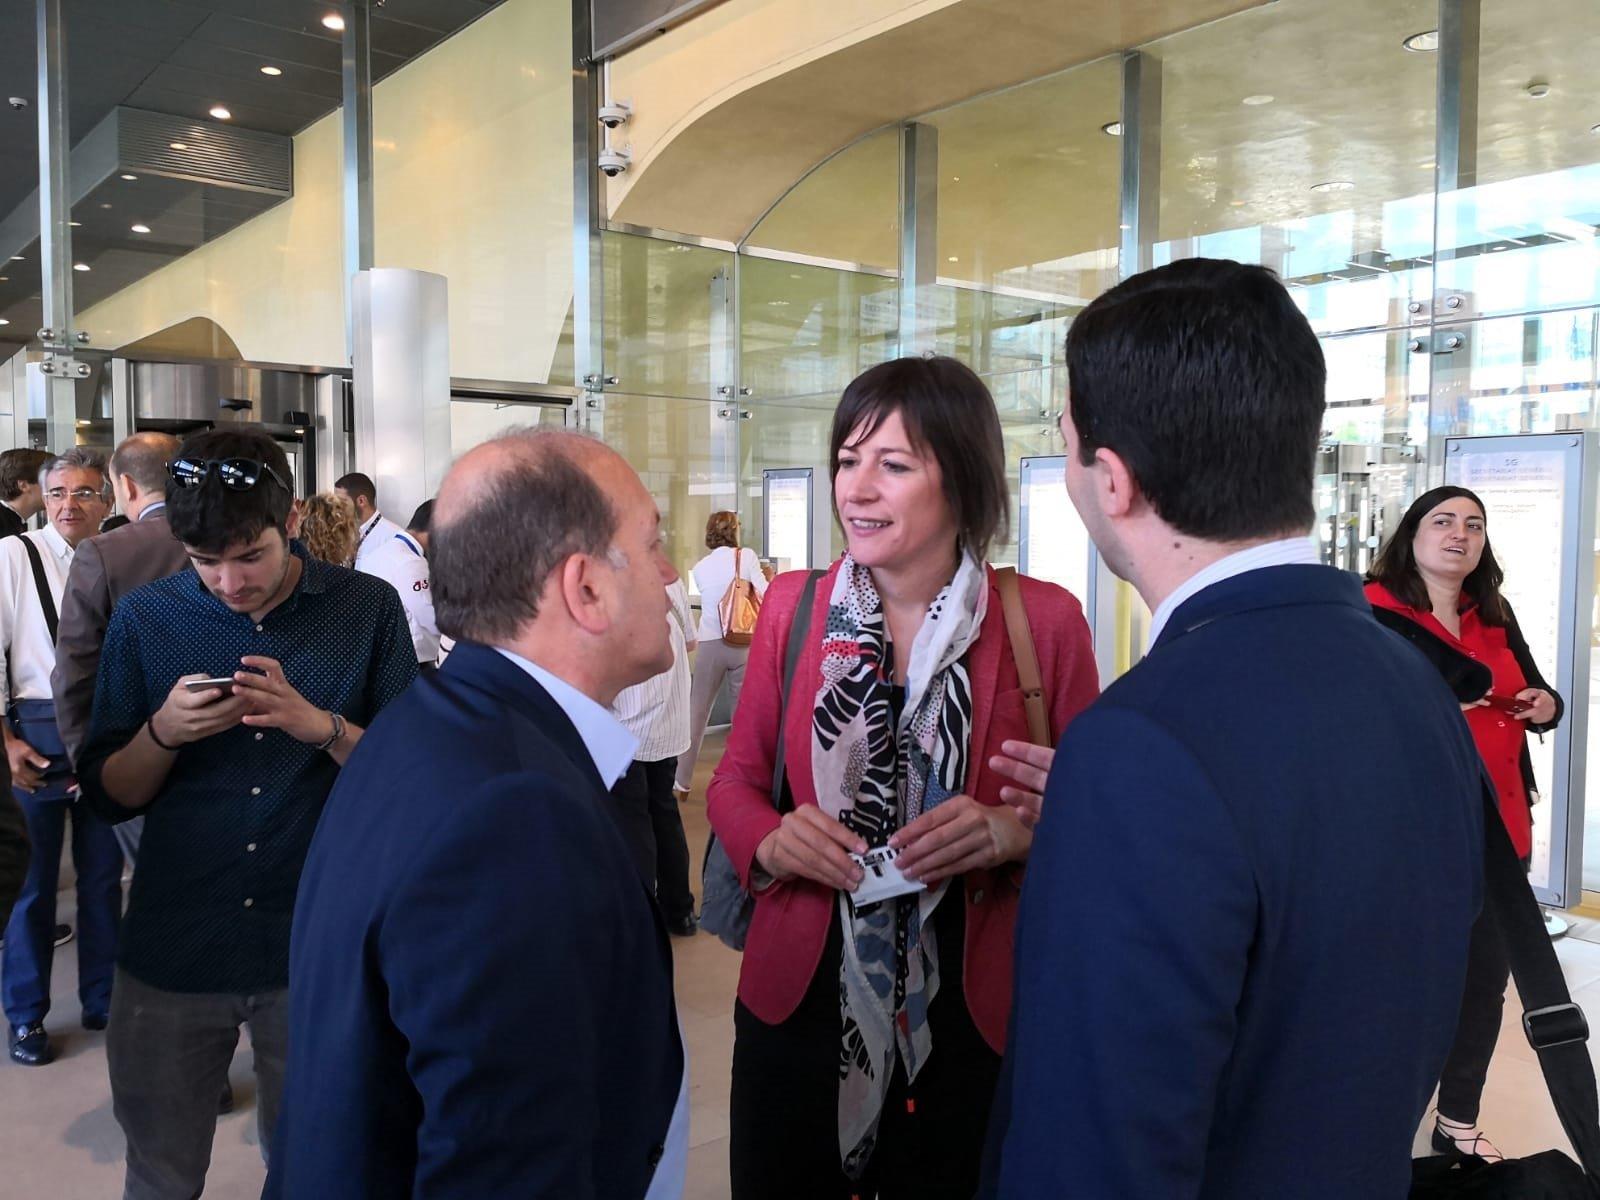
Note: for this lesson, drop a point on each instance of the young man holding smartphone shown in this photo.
(231, 778)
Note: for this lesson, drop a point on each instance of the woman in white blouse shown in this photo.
(715, 660)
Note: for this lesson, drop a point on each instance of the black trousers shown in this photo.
(1477, 1030)
(784, 1141)
(647, 812)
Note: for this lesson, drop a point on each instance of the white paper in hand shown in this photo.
(882, 879)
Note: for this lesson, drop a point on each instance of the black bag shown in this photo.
(725, 907)
(1557, 1031)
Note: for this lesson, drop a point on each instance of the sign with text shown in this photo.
(1539, 501)
(1052, 543)
(787, 517)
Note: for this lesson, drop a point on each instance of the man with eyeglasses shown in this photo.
(228, 697)
(33, 572)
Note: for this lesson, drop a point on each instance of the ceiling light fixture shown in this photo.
(3, 321)
(273, 71)
(1333, 185)
(1258, 100)
(105, 205)
(178, 145)
(1114, 128)
(1537, 90)
(129, 178)
(221, 113)
(1594, 129)
(1422, 43)
(953, 258)
(140, 228)
(76, 224)
(1427, 164)
(80, 266)
(16, 258)
(333, 21)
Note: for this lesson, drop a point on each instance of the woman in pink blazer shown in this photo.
(869, 1027)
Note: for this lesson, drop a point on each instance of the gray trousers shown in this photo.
(128, 835)
(169, 1054)
(714, 661)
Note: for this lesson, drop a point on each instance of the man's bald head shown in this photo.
(510, 512)
(145, 456)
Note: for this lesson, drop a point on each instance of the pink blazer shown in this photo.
(791, 920)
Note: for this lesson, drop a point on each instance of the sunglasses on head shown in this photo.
(237, 474)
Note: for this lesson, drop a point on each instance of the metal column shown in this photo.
(919, 236)
(1457, 130)
(1141, 162)
(59, 370)
(588, 312)
(358, 236)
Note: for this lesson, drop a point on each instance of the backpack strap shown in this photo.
(46, 601)
(1026, 655)
(798, 629)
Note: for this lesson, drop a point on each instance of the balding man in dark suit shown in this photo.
(104, 569)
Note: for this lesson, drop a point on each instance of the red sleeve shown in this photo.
(1074, 674)
(739, 800)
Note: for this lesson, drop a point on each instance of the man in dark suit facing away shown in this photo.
(480, 986)
(1244, 929)
(104, 569)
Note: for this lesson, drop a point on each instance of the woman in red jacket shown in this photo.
(868, 1034)
(1438, 583)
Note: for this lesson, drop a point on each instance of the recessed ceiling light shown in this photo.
(5, 279)
(80, 266)
(1501, 246)
(221, 113)
(1114, 128)
(955, 179)
(1594, 129)
(777, 304)
(1124, 226)
(76, 224)
(1422, 43)
(129, 178)
(1427, 164)
(106, 205)
(16, 258)
(178, 145)
(1333, 185)
(953, 258)
(273, 71)
(140, 228)
(1235, 203)
(1258, 100)
(333, 21)
(3, 321)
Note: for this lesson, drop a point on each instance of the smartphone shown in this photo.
(205, 685)
(1508, 704)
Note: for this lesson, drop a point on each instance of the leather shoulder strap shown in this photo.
(798, 629)
(1026, 655)
(46, 600)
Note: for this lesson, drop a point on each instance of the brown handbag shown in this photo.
(740, 605)
(1022, 649)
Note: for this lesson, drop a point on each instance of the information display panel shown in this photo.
(1052, 543)
(788, 517)
(1538, 492)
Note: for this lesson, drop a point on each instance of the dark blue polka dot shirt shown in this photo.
(226, 836)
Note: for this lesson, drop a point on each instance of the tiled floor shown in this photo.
(58, 1140)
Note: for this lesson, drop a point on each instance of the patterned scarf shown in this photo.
(875, 778)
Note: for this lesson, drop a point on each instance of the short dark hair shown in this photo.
(490, 560)
(1396, 564)
(212, 517)
(949, 413)
(1208, 382)
(422, 518)
(358, 487)
(722, 529)
(19, 468)
(145, 456)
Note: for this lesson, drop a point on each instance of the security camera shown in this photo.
(18, 102)
(613, 115)
(614, 162)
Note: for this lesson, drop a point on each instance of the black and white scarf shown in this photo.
(876, 777)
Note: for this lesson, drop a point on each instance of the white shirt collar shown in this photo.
(151, 510)
(608, 742)
(55, 543)
(1295, 551)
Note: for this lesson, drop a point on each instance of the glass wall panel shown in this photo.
(1524, 374)
(846, 211)
(473, 422)
(1300, 135)
(668, 316)
(807, 330)
(1029, 184)
(1518, 234)
(778, 436)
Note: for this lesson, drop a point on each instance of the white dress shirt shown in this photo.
(29, 653)
(1295, 551)
(657, 710)
(612, 748)
(712, 575)
(390, 553)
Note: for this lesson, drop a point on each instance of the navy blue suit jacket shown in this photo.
(480, 989)
(1243, 934)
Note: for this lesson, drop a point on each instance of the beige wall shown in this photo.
(472, 180)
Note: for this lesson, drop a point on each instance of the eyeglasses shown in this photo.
(237, 474)
(82, 495)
